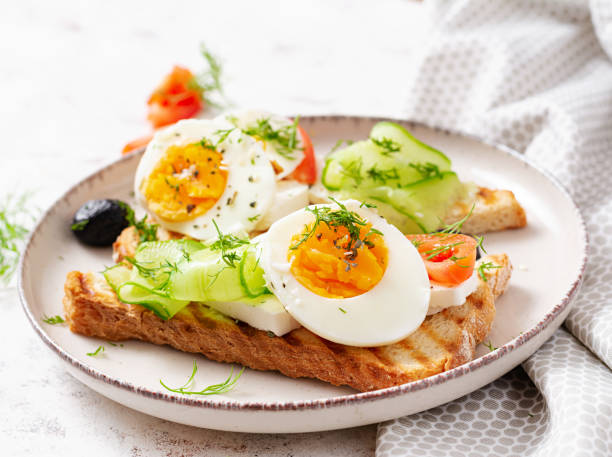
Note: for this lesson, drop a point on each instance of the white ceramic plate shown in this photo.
(549, 257)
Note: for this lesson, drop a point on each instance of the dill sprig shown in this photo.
(334, 218)
(98, 351)
(284, 138)
(485, 266)
(208, 82)
(160, 274)
(489, 346)
(455, 227)
(427, 170)
(339, 144)
(15, 219)
(352, 170)
(441, 249)
(382, 175)
(53, 320)
(226, 244)
(214, 389)
(387, 145)
(147, 232)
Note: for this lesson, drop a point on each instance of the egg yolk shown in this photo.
(329, 266)
(186, 182)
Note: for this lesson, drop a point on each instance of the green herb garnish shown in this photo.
(208, 82)
(147, 232)
(53, 320)
(486, 266)
(159, 274)
(99, 350)
(14, 220)
(284, 139)
(253, 218)
(342, 310)
(333, 218)
(427, 170)
(387, 145)
(382, 175)
(489, 346)
(352, 170)
(339, 144)
(214, 389)
(225, 244)
(78, 226)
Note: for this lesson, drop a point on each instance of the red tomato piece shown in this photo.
(449, 258)
(306, 171)
(177, 97)
(136, 144)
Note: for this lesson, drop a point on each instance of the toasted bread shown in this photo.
(494, 209)
(444, 340)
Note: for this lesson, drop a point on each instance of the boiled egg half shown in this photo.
(198, 171)
(346, 274)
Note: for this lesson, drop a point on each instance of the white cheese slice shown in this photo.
(444, 297)
(290, 196)
(264, 313)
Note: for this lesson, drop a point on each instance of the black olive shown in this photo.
(99, 222)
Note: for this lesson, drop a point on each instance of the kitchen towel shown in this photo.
(535, 75)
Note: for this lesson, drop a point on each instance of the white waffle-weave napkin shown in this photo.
(535, 75)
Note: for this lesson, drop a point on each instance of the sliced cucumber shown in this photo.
(421, 205)
(416, 150)
(251, 274)
(206, 277)
(133, 289)
(361, 165)
(156, 252)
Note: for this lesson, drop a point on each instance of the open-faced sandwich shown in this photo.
(365, 274)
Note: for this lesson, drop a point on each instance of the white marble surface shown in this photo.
(74, 77)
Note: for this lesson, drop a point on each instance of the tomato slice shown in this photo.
(449, 258)
(136, 144)
(306, 171)
(177, 97)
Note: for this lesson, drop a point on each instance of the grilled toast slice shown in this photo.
(444, 340)
(494, 209)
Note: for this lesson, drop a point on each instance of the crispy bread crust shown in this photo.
(494, 210)
(444, 340)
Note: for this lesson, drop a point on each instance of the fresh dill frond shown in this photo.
(98, 351)
(334, 218)
(352, 170)
(159, 274)
(441, 249)
(382, 175)
(455, 227)
(427, 170)
(489, 346)
(147, 232)
(253, 218)
(387, 145)
(284, 139)
(209, 82)
(339, 144)
(53, 320)
(226, 244)
(16, 217)
(485, 266)
(214, 389)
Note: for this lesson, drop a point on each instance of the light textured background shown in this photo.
(74, 78)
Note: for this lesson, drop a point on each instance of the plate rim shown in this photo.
(337, 401)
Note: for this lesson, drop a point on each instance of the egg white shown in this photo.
(247, 118)
(251, 183)
(389, 312)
